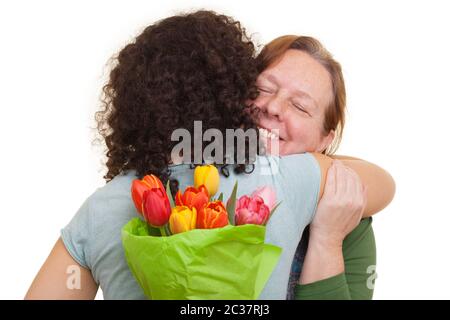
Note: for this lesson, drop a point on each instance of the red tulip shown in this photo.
(138, 187)
(156, 207)
(213, 215)
(251, 211)
(193, 198)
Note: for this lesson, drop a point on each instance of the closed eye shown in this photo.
(265, 90)
(299, 107)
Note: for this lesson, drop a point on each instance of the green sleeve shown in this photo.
(357, 281)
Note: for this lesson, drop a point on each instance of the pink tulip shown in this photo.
(251, 210)
(267, 194)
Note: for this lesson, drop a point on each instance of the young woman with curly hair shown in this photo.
(177, 71)
(199, 66)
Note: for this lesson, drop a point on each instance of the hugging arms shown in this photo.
(177, 72)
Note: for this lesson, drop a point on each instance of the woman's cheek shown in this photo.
(301, 136)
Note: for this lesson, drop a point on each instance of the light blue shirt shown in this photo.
(93, 236)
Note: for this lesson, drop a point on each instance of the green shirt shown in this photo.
(357, 281)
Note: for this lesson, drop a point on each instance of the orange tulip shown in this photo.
(213, 215)
(138, 187)
(193, 197)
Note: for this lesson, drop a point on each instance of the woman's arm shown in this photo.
(380, 184)
(339, 211)
(342, 157)
(357, 282)
(61, 277)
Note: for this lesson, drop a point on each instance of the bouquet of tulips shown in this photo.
(196, 247)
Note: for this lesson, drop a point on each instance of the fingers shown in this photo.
(341, 208)
(365, 197)
(352, 184)
(330, 184)
(350, 189)
(357, 186)
(341, 179)
(359, 194)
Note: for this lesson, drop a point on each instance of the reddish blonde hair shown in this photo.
(335, 113)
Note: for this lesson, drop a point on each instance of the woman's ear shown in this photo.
(326, 141)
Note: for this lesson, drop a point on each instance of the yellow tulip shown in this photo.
(182, 219)
(207, 175)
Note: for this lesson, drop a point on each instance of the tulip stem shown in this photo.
(163, 231)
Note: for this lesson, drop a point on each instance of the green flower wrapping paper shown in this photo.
(231, 262)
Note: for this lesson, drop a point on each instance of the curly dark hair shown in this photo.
(197, 66)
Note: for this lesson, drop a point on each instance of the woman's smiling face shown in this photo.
(294, 93)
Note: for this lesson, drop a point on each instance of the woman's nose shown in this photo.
(274, 108)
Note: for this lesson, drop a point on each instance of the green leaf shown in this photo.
(231, 204)
(163, 231)
(220, 198)
(273, 210)
(167, 229)
(169, 194)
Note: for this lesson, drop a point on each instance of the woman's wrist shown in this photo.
(325, 240)
(323, 260)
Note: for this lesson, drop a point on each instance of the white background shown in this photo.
(396, 61)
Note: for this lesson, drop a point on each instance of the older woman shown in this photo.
(302, 97)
